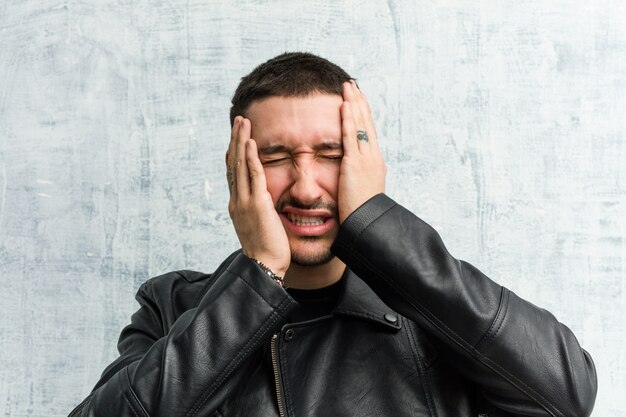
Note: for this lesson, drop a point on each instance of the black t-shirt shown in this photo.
(315, 303)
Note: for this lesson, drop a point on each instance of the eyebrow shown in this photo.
(272, 149)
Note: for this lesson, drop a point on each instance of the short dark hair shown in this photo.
(291, 74)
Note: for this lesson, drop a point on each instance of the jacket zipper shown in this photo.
(279, 398)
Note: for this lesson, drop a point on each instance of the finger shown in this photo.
(354, 97)
(350, 95)
(241, 166)
(366, 114)
(348, 130)
(231, 155)
(362, 135)
(258, 184)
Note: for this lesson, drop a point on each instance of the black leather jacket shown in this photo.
(416, 332)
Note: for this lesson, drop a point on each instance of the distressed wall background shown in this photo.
(503, 124)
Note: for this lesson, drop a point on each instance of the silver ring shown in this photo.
(362, 135)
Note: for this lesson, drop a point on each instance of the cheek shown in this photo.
(329, 177)
(277, 180)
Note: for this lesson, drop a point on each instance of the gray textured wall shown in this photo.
(503, 124)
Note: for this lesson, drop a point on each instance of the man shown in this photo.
(340, 301)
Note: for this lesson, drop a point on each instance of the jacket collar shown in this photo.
(360, 301)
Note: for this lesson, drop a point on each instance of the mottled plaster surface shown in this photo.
(502, 123)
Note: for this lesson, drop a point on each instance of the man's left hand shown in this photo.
(363, 170)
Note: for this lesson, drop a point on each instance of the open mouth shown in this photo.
(307, 222)
(299, 220)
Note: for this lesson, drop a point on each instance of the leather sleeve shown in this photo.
(183, 372)
(524, 360)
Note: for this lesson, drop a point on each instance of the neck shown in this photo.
(314, 277)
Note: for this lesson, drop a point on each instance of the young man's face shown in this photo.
(300, 147)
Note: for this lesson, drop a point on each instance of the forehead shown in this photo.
(296, 122)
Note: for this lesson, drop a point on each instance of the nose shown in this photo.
(305, 187)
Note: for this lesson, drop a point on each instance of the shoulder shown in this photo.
(169, 280)
(184, 276)
(173, 293)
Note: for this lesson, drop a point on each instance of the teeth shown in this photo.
(305, 220)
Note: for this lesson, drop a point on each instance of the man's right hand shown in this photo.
(259, 229)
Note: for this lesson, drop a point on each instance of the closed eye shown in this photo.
(274, 161)
(332, 157)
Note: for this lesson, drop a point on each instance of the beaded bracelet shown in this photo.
(270, 273)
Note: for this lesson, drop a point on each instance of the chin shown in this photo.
(309, 256)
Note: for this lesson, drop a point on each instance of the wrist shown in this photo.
(277, 275)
